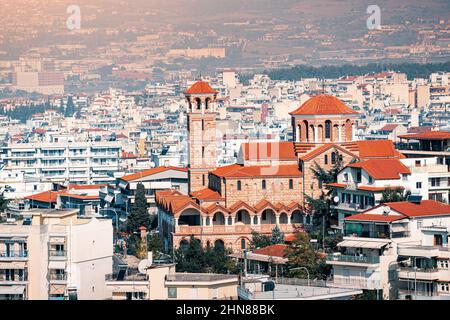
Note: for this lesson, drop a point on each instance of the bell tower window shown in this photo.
(328, 129)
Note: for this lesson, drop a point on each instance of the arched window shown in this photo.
(328, 129)
(333, 157)
(326, 159)
(239, 186)
(264, 185)
(199, 103)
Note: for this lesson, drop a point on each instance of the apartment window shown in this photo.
(435, 182)
(370, 180)
(418, 185)
(172, 292)
(243, 243)
(443, 264)
(203, 179)
(404, 177)
(291, 184)
(264, 185)
(345, 177)
(445, 287)
(417, 163)
(239, 186)
(326, 159)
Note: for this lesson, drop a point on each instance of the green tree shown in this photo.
(192, 258)
(154, 244)
(300, 253)
(139, 216)
(394, 195)
(259, 240)
(277, 236)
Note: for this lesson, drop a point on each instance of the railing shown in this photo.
(367, 234)
(13, 254)
(352, 206)
(58, 276)
(355, 283)
(412, 270)
(245, 228)
(356, 259)
(57, 253)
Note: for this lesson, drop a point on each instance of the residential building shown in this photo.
(74, 162)
(380, 243)
(52, 254)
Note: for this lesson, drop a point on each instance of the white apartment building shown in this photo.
(398, 249)
(360, 185)
(74, 162)
(52, 254)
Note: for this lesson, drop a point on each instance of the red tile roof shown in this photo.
(149, 172)
(46, 196)
(323, 105)
(426, 208)
(382, 169)
(275, 250)
(377, 149)
(430, 135)
(206, 194)
(200, 87)
(239, 171)
(422, 209)
(389, 127)
(374, 217)
(280, 150)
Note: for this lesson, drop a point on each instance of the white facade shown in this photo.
(74, 162)
(55, 254)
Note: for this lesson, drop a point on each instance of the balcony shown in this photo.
(331, 258)
(57, 254)
(237, 228)
(13, 255)
(356, 207)
(57, 277)
(430, 274)
(355, 283)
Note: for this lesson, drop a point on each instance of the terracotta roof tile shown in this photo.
(422, 209)
(430, 135)
(200, 87)
(323, 105)
(382, 169)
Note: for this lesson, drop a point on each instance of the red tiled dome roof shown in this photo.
(323, 104)
(200, 87)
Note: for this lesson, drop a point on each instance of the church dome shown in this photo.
(323, 105)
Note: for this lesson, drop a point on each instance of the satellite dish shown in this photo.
(336, 199)
(144, 265)
(386, 210)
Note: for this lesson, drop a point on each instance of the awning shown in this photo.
(57, 265)
(362, 244)
(12, 289)
(57, 289)
(13, 265)
(57, 240)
